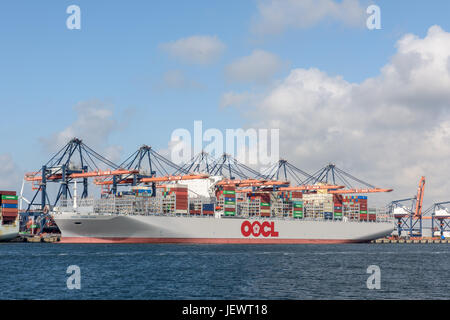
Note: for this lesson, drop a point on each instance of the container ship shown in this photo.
(149, 199)
(9, 215)
(168, 214)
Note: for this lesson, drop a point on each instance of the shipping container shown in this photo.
(9, 206)
(298, 214)
(9, 197)
(8, 193)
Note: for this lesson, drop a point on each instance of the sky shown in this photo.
(375, 102)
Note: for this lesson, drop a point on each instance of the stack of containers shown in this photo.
(265, 204)
(168, 199)
(328, 207)
(297, 204)
(253, 204)
(208, 209)
(229, 200)
(286, 200)
(9, 208)
(219, 197)
(337, 200)
(142, 191)
(195, 206)
(363, 214)
(372, 214)
(352, 207)
(181, 197)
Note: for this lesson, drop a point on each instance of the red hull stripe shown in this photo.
(205, 240)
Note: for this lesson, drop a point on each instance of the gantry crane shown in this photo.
(409, 217)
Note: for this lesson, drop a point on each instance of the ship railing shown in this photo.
(80, 202)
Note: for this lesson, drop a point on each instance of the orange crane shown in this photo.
(419, 198)
(350, 191)
(313, 187)
(252, 183)
(154, 179)
(34, 176)
(175, 178)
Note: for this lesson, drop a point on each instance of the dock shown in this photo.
(411, 241)
(48, 238)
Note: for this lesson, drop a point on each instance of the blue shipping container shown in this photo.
(208, 206)
(9, 206)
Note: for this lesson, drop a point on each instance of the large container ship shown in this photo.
(220, 214)
(9, 220)
(148, 198)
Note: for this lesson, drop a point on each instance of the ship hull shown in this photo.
(9, 231)
(208, 230)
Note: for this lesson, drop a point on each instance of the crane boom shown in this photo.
(314, 187)
(175, 178)
(419, 198)
(90, 174)
(371, 190)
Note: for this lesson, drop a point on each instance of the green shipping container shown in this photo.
(296, 205)
(265, 204)
(363, 212)
(298, 214)
(230, 213)
(338, 214)
(230, 202)
(10, 197)
(229, 192)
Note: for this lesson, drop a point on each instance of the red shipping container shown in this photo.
(7, 215)
(9, 201)
(363, 217)
(8, 193)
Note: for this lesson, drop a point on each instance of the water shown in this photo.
(38, 271)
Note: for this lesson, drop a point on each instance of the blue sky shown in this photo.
(117, 58)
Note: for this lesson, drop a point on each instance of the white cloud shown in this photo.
(237, 99)
(94, 124)
(388, 130)
(274, 16)
(10, 176)
(176, 79)
(195, 49)
(259, 67)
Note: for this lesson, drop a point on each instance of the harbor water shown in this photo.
(40, 271)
